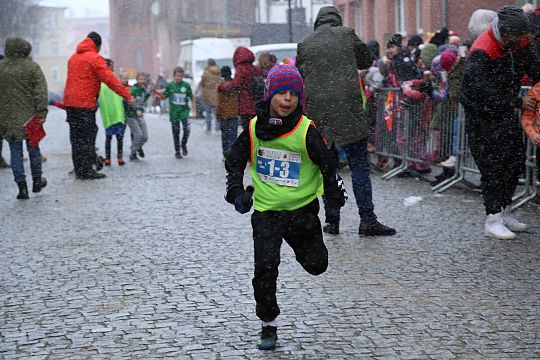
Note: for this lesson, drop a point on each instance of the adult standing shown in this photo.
(27, 95)
(210, 79)
(329, 60)
(86, 71)
(498, 60)
(245, 71)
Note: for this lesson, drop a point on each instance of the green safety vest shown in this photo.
(284, 177)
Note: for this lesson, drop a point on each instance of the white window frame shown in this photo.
(358, 23)
(53, 48)
(55, 74)
(419, 29)
(400, 17)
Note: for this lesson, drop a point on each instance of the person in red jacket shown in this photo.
(86, 71)
(245, 71)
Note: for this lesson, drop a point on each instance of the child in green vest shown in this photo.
(111, 107)
(179, 94)
(290, 167)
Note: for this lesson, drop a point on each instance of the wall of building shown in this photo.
(376, 19)
(49, 48)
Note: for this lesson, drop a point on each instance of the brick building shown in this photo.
(146, 35)
(379, 19)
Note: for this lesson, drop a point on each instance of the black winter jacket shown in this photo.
(493, 74)
(405, 67)
(316, 148)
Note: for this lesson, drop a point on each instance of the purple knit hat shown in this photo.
(283, 77)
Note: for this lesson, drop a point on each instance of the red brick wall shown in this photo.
(379, 20)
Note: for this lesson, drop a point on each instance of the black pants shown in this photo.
(497, 148)
(119, 143)
(82, 135)
(301, 229)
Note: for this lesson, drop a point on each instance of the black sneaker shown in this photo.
(133, 157)
(371, 227)
(184, 151)
(141, 153)
(332, 229)
(268, 338)
(178, 155)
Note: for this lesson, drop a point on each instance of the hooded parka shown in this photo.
(24, 89)
(329, 60)
(86, 71)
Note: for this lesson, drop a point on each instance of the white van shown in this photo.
(194, 55)
(279, 50)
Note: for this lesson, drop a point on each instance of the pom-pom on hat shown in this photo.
(283, 77)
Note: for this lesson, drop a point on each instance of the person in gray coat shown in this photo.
(329, 60)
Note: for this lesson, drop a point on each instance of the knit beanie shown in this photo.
(512, 21)
(96, 38)
(415, 40)
(395, 39)
(428, 53)
(448, 59)
(283, 77)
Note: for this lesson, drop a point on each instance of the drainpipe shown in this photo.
(444, 13)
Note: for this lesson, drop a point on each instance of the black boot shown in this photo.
(38, 184)
(331, 228)
(370, 226)
(23, 191)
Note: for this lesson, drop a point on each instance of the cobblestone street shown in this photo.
(151, 262)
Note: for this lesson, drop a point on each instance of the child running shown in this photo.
(179, 92)
(290, 166)
(111, 107)
(135, 118)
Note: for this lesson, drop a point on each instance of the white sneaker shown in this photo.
(450, 162)
(511, 222)
(495, 228)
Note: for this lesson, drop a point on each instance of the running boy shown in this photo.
(179, 92)
(135, 118)
(111, 108)
(289, 164)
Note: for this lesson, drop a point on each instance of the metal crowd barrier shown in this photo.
(402, 132)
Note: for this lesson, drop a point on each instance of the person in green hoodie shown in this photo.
(24, 94)
(135, 118)
(111, 107)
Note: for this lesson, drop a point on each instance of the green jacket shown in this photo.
(329, 60)
(111, 107)
(24, 89)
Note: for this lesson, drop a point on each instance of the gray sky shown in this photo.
(81, 8)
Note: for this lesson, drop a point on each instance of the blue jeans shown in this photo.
(357, 156)
(229, 133)
(17, 165)
(209, 114)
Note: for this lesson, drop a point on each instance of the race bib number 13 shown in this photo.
(279, 167)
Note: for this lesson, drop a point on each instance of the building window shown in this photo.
(55, 48)
(400, 17)
(138, 60)
(358, 17)
(419, 29)
(53, 19)
(55, 74)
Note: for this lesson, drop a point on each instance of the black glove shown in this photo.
(241, 206)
